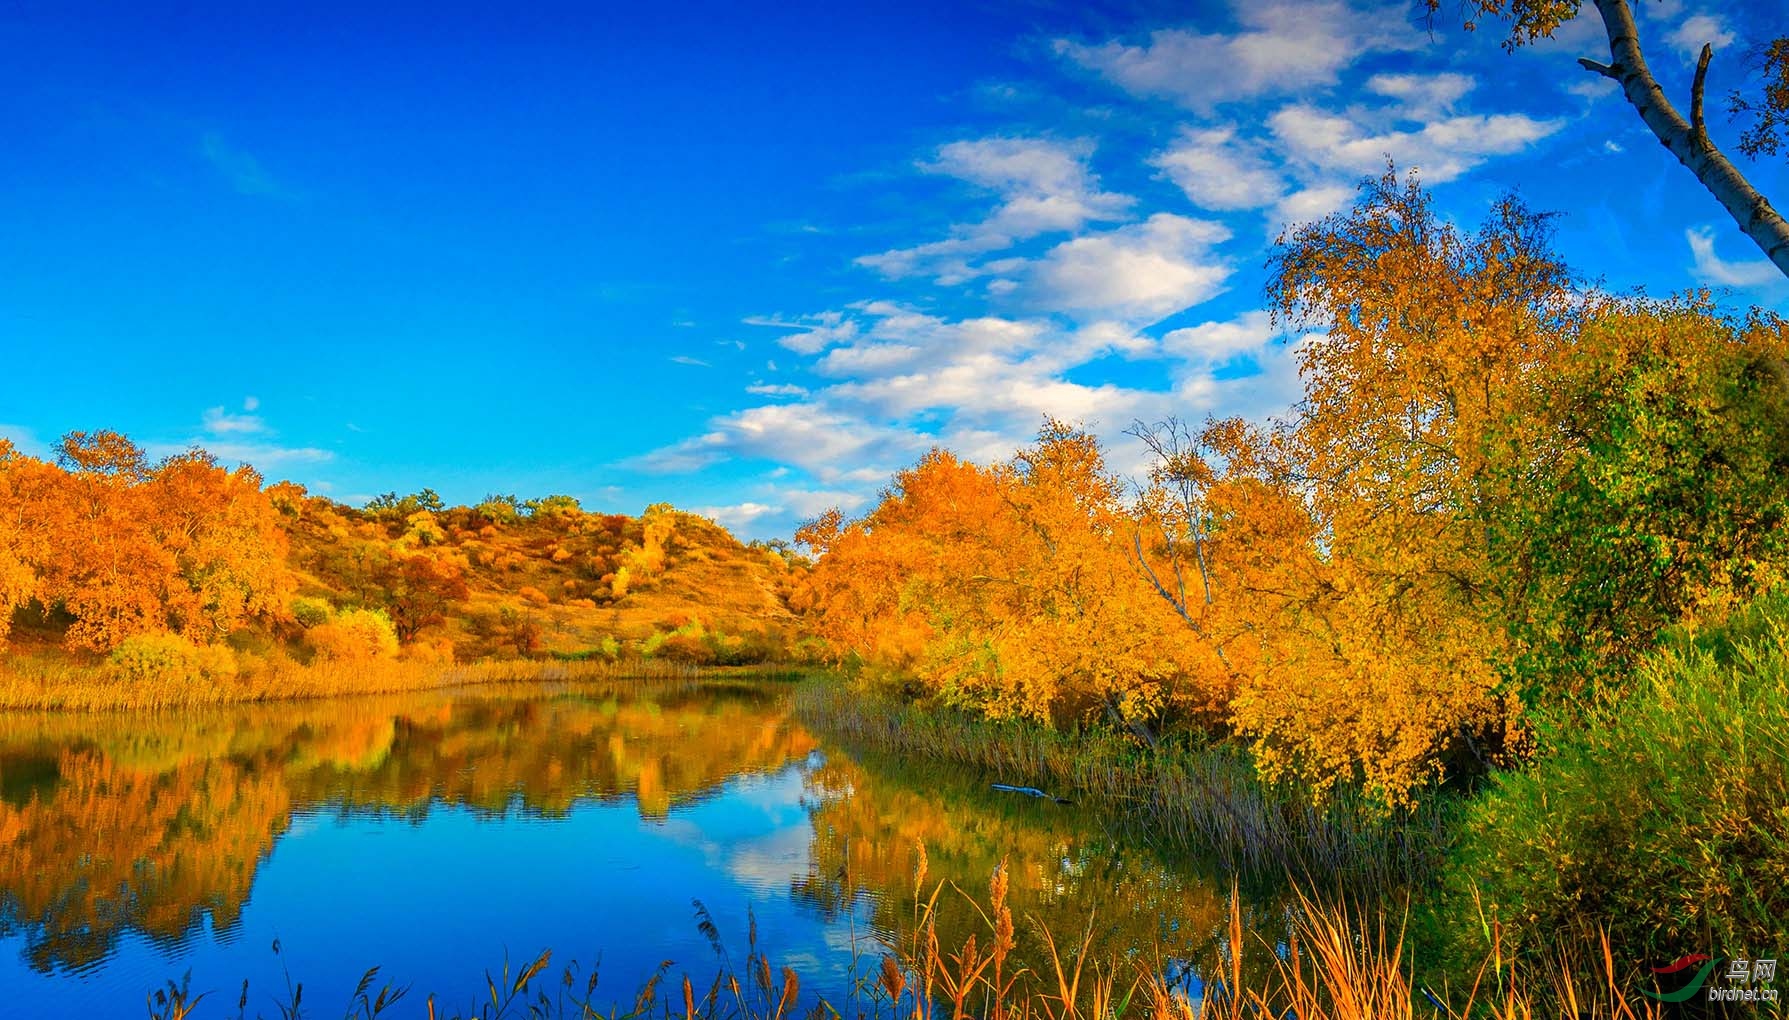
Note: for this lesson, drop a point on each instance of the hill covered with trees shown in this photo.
(117, 572)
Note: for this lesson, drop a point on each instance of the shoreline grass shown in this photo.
(1209, 801)
(39, 683)
(1332, 963)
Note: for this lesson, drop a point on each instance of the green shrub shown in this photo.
(309, 612)
(1662, 817)
(168, 660)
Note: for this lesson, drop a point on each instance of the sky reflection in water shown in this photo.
(435, 834)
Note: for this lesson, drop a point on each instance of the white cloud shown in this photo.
(1310, 204)
(812, 333)
(1217, 170)
(684, 359)
(909, 380)
(1043, 186)
(1219, 341)
(1422, 97)
(807, 504)
(220, 422)
(1697, 29)
(1289, 46)
(777, 390)
(1143, 271)
(1442, 149)
(816, 438)
(738, 515)
(1591, 87)
(1711, 269)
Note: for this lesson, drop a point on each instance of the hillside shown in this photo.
(508, 578)
(126, 580)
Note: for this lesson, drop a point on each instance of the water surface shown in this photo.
(439, 834)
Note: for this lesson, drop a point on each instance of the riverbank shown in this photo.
(55, 682)
(1209, 801)
(1645, 829)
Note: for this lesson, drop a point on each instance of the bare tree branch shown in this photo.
(1688, 142)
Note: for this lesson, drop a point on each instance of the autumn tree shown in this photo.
(125, 548)
(1337, 559)
(227, 541)
(104, 566)
(1686, 138)
(419, 590)
(1007, 591)
(22, 539)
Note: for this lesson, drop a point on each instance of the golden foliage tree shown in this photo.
(1006, 590)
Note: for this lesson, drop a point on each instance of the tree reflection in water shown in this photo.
(116, 823)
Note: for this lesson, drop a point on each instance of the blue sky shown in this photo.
(751, 259)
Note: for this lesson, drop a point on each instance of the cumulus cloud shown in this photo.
(1220, 171)
(1696, 30)
(1289, 46)
(1421, 97)
(1218, 341)
(807, 504)
(1142, 271)
(1442, 149)
(907, 380)
(1044, 185)
(1313, 203)
(812, 436)
(737, 515)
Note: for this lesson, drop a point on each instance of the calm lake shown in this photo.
(437, 834)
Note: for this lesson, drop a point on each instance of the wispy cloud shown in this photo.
(1710, 268)
(777, 390)
(240, 169)
(1042, 186)
(265, 457)
(219, 422)
(684, 359)
(25, 440)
